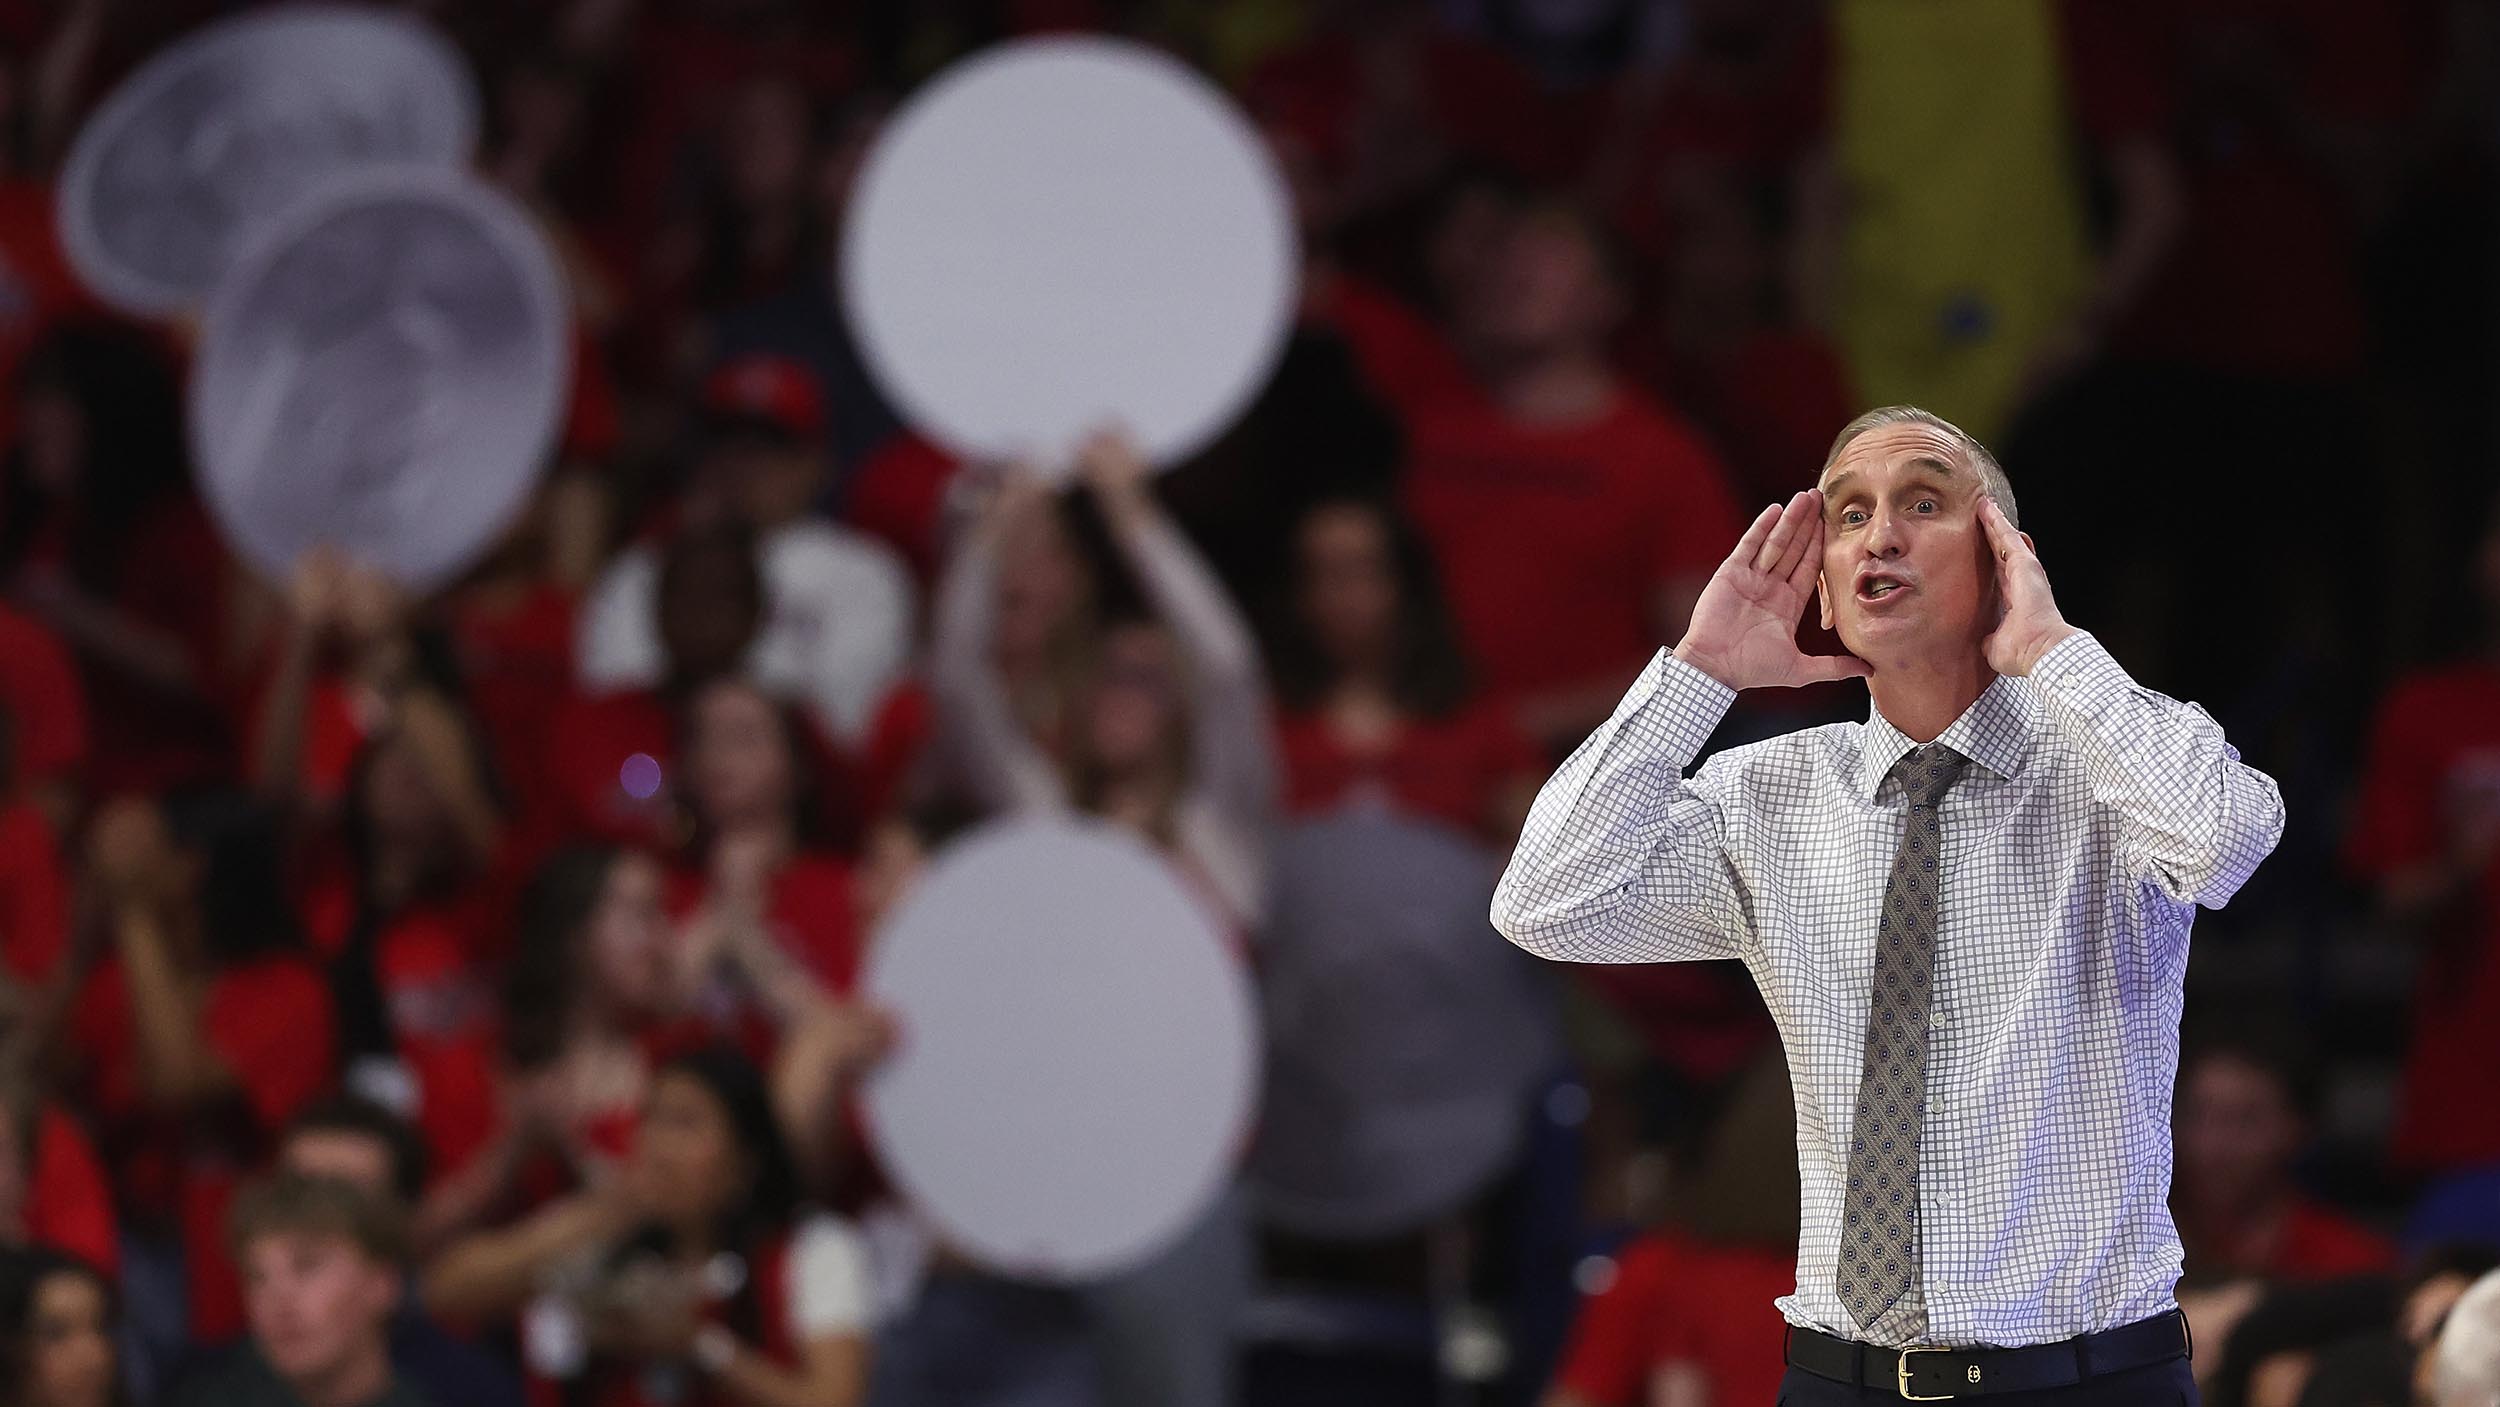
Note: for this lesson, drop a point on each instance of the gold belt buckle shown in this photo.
(1902, 1367)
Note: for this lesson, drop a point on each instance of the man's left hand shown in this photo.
(2028, 623)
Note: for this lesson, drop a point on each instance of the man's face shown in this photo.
(1907, 572)
(1543, 291)
(316, 1302)
(709, 614)
(766, 480)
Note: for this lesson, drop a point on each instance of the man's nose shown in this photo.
(1883, 535)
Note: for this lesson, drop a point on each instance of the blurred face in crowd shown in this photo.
(1134, 706)
(739, 765)
(766, 478)
(317, 1303)
(357, 1159)
(52, 435)
(690, 1162)
(766, 144)
(710, 610)
(1348, 586)
(626, 938)
(2238, 1132)
(889, 860)
(1544, 291)
(69, 1343)
(1042, 585)
(399, 799)
(1908, 575)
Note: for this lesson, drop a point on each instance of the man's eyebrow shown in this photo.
(1927, 463)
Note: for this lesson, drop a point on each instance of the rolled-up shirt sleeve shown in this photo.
(2195, 819)
(1622, 858)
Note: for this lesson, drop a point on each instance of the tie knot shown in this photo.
(1927, 772)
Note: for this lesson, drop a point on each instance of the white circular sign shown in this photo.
(382, 370)
(178, 166)
(1062, 233)
(1079, 1053)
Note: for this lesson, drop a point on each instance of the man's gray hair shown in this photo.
(1991, 474)
(2465, 1363)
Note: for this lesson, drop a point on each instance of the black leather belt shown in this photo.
(1941, 1374)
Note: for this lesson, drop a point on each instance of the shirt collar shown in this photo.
(1994, 733)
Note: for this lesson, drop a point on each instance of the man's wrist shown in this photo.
(2050, 641)
(1701, 661)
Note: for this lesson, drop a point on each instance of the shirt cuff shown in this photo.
(2079, 672)
(1674, 708)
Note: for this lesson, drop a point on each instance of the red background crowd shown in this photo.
(2214, 277)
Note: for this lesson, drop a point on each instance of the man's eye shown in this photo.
(1927, 505)
(1853, 516)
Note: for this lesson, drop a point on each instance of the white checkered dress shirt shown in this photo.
(2096, 815)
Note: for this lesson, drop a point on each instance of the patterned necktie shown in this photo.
(1879, 1224)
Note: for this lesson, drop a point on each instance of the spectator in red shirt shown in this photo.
(813, 1074)
(1575, 518)
(616, 754)
(34, 893)
(1770, 391)
(2426, 831)
(199, 1034)
(752, 229)
(1685, 1315)
(2243, 1116)
(53, 1191)
(587, 998)
(56, 1333)
(711, 1178)
(46, 710)
(1375, 701)
(101, 542)
(405, 913)
(768, 909)
(511, 625)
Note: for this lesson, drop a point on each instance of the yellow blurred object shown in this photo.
(1965, 247)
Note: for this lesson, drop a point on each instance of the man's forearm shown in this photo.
(1619, 859)
(2198, 819)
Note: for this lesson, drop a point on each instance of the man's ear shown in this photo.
(2027, 542)
(1823, 595)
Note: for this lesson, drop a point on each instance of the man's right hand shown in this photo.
(1744, 627)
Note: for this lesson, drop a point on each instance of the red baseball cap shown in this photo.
(761, 389)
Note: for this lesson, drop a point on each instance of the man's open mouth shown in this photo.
(1876, 588)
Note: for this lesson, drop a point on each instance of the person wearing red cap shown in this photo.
(838, 616)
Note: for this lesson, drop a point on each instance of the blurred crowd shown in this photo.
(453, 999)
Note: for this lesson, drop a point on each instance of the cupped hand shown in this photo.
(1744, 627)
(2028, 623)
